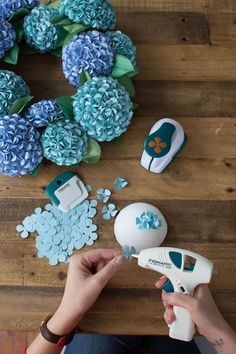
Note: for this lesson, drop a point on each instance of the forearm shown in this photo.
(224, 340)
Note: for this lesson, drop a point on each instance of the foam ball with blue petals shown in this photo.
(64, 142)
(20, 148)
(43, 113)
(90, 51)
(122, 44)
(9, 7)
(98, 14)
(103, 108)
(39, 32)
(7, 36)
(12, 87)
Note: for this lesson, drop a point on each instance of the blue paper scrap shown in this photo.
(109, 211)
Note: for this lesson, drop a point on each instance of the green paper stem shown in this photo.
(65, 103)
(75, 28)
(60, 20)
(11, 56)
(93, 153)
(127, 83)
(64, 37)
(19, 105)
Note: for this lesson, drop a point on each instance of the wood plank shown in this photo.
(25, 308)
(223, 28)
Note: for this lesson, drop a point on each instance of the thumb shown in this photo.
(176, 299)
(107, 272)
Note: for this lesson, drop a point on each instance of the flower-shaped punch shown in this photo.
(148, 220)
(157, 144)
(103, 194)
(109, 211)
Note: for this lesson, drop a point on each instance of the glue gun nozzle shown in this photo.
(135, 256)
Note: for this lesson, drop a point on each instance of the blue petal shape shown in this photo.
(103, 194)
(120, 183)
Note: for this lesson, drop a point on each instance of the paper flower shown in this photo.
(64, 142)
(109, 211)
(122, 44)
(90, 51)
(148, 220)
(103, 194)
(20, 148)
(120, 183)
(12, 87)
(103, 108)
(9, 7)
(98, 14)
(7, 36)
(128, 251)
(43, 113)
(39, 32)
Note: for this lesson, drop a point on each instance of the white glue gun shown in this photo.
(185, 270)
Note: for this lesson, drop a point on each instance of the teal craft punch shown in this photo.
(165, 140)
(66, 191)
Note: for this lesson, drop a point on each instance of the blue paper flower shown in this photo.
(109, 211)
(43, 113)
(39, 32)
(103, 108)
(12, 87)
(128, 251)
(148, 220)
(9, 7)
(98, 14)
(120, 183)
(64, 142)
(20, 148)
(122, 44)
(90, 51)
(7, 36)
(103, 194)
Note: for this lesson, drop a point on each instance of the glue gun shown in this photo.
(185, 270)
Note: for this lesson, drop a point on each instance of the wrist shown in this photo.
(63, 323)
(220, 330)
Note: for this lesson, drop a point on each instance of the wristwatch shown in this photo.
(53, 338)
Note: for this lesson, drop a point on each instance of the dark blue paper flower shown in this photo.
(43, 113)
(39, 32)
(103, 108)
(12, 87)
(20, 148)
(90, 51)
(9, 7)
(122, 44)
(98, 14)
(64, 142)
(7, 36)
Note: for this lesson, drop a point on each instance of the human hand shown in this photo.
(88, 274)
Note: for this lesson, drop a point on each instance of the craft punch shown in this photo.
(66, 191)
(164, 142)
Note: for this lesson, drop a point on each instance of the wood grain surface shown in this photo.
(186, 54)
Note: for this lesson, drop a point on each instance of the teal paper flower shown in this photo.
(122, 44)
(39, 32)
(64, 143)
(12, 87)
(7, 36)
(98, 14)
(148, 220)
(103, 108)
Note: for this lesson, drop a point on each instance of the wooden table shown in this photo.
(187, 59)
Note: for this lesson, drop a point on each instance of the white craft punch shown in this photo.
(66, 191)
(165, 140)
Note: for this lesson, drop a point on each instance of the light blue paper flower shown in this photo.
(98, 14)
(12, 87)
(128, 251)
(103, 194)
(122, 44)
(109, 211)
(103, 108)
(90, 51)
(9, 7)
(20, 148)
(120, 183)
(7, 36)
(39, 32)
(43, 113)
(148, 220)
(64, 143)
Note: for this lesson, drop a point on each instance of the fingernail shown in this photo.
(120, 259)
(162, 277)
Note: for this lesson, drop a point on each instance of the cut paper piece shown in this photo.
(120, 183)
(59, 233)
(89, 188)
(148, 220)
(128, 251)
(109, 211)
(103, 194)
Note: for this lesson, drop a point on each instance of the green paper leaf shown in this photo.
(36, 170)
(57, 52)
(117, 140)
(93, 153)
(135, 106)
(65, 103)
(54, 4)
(19, 14)
(18, 27)
(64, 37)
(20, 104)
(11, 56)
(76, 28)
(84, 77)
(127, 83)
(121, 66)
(134, 72)
(60, 20)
